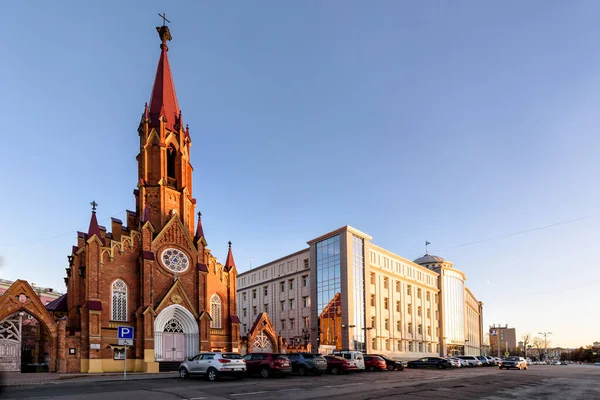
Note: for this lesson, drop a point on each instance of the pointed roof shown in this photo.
(163, 100)
(229, 263)
(199, 230)
(94, 228)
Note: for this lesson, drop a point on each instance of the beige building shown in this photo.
(505, 337)
(344, 292)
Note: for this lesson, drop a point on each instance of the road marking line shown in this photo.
(288, 390)
(347, 384)
(248, 393)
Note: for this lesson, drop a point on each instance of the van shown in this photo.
(354, 358)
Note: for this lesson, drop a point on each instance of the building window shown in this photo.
(244, 296)
(282, 302)
(283, 324)
(373, 300)
(429, 313)
(305, 301)
(420, 329)
(304, 280)
(397, 286)
(419, 311)
(373, 322)
(245, 329)
(385, 283)
(410, 346)
(419, 293)
(386, 303)
(266, 308)
(372, 277)
(306, 263)
(215, 311)
(410, 327)
(306, 322)
(282, 286)
(253, 293)
(399, 344)
(398, 306)
(429, 330)
(244, 313)
(253, 310)
(436, 299)
(291, 284)
(410, 308)
(398, 326)
(266, 290)
(292, 323)
(119, 301)
(387, 344)
(436, 315)
(428, 296)
(374, 343)
(408, 290)
(292, 304)
(386, 324)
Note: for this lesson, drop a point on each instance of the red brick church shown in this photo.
(155, 273)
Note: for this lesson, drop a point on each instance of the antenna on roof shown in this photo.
(426, 244)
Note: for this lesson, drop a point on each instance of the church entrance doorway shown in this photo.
(24, 344)
(173, 341)
(176, 334)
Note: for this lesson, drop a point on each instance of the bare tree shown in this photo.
(538, 346)
(526, 339)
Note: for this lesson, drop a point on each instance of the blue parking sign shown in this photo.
(125, 332)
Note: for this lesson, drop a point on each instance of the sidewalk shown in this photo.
(42, 378)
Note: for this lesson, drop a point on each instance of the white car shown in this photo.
(463, 363)
(213, 365)
(471, 360)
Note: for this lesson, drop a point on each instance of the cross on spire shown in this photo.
(199, 214)
(229, 244)
(94, 205)
(164, 18)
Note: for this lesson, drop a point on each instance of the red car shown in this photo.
(339, 365)
(267, 364)
(375, 363)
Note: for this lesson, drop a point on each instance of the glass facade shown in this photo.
(329, 287)
(358, 272)
(454, 312)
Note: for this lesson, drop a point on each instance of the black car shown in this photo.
(392, 365)
(305, 363)
(430, 362)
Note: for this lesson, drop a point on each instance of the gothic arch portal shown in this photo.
(262, 337)
(175, 320)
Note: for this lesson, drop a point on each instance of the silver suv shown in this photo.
(213, 365)
(472, 360)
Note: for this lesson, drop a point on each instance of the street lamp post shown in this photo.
(545, 334)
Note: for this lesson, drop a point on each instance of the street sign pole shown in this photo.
(125, 364)
(125, 336)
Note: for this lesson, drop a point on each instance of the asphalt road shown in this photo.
(539, 382)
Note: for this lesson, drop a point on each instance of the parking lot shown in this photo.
(539, 382)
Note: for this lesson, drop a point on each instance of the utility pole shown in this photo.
(545, 334)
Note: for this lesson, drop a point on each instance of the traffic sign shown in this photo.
(125, 332)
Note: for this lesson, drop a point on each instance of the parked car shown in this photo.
(391, 365)
(338, 365)
(458, 363)
(305, 363)
(491, 360)
(354, 357)
(214, 365)
(374, 363)
(484, 361)
(267, 364)
(513, 362)
(430, 362)
(555, 362)
(471, 360)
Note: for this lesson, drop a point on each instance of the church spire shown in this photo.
(163, 101)
(94, 228)
(199, 230)
(229, 263)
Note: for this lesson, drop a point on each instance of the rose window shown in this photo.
(175, 260)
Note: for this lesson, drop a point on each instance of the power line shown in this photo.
(52, 237)
(520, 232)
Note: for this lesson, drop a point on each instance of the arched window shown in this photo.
(119, 301)
(171, 158)
(215, 311)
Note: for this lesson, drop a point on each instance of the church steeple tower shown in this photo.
(164, 169)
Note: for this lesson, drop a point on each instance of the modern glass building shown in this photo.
(363, 297)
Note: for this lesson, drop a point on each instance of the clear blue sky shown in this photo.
(446, 121)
